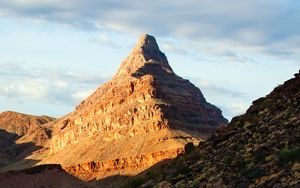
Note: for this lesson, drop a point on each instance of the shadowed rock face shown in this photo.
(145, 114)
(46, 176)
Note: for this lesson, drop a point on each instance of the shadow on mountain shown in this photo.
(17, 171)
(12, 154)
(111, 181)
(152, 67)
(172, 89)
(143, 178)
(53, 175)
(168, 169)
(46, 176)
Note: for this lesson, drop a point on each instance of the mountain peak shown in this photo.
(147, 41)
(146, 50)
(144, 115)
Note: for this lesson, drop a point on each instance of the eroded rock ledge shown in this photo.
(123, 166)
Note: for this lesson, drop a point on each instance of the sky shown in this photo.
(55, 53)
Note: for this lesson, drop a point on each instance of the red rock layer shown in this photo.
(129, 165)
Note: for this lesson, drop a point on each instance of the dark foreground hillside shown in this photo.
(258, 149)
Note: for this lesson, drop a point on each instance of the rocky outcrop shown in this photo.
(16, 136)
(145, 110)
(258, 149)
(21, 124)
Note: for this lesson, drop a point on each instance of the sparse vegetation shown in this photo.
(189, 147)
(152, 175)
(251, 172)
(194, 156)
(240, 162)
(260, 157)
(134, 183)
(289, 155)
(196, 182)
(140, 180)
(228, 159)
(182, 169)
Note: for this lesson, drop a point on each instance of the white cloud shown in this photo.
(30, 89)
(231, 102)
(237, 108)
(222, 31)
(175, 47)
(106, 40)
(215, 90)
(46, 85)
(247, 28)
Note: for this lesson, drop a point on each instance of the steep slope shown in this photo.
(145, 114)
(258, 149)
(14, 129)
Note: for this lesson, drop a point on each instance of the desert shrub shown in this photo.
(198, 180)
(134, 183)
(182, 169)
(251, 172)
(194, 156)
(259, 157)
(138, 181)
(151, 175)
(228, 159)
(195, 183)
(289, 155)
(240, 162)
(189, 147)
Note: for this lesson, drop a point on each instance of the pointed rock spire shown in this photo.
(146, 50)
(147, 42)
(129, 112)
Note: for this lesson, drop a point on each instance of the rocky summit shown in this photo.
(258, 149)
(144, 115)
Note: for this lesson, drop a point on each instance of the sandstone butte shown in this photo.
(144, 115)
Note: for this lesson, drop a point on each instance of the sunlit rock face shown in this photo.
(20, 134)
(21, 124)
(145, 114)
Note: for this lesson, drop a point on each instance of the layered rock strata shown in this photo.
(145, 114)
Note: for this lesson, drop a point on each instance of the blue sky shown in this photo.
(55, 53)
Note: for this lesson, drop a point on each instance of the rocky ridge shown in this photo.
(15, 142)
(21, 124)
(258, 149)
